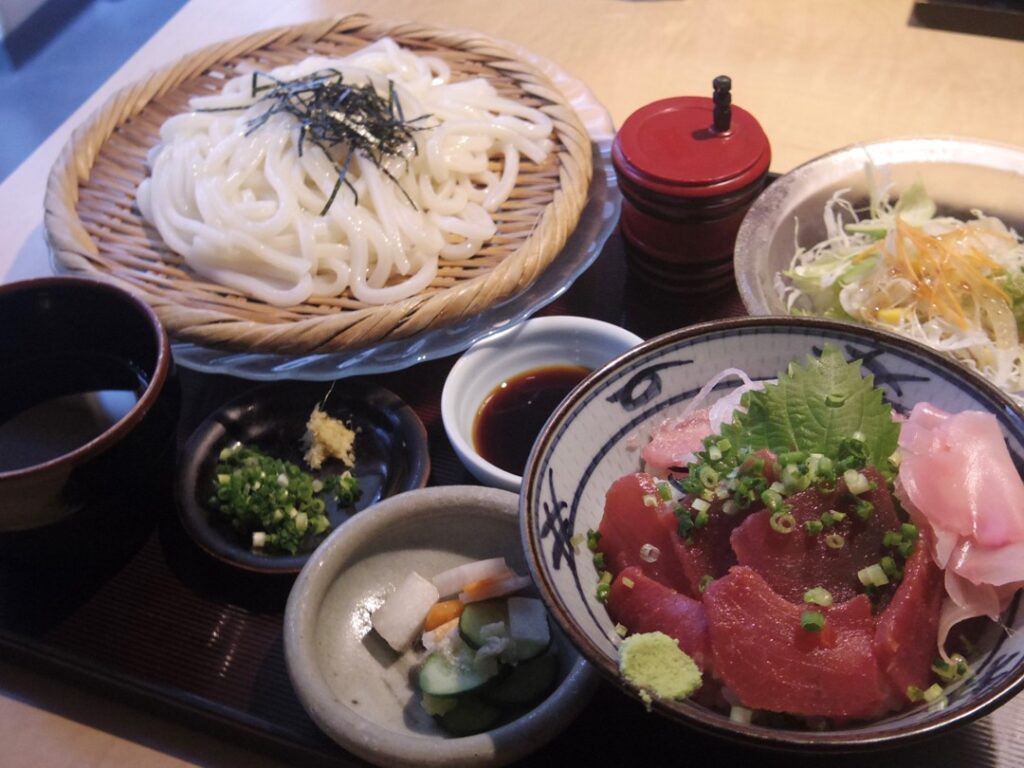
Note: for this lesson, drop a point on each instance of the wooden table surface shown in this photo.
(818, 75)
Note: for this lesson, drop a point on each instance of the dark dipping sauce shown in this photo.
(511, 416)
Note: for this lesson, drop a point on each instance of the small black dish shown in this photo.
(391, 457)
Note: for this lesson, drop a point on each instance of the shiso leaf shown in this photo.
(793, 415)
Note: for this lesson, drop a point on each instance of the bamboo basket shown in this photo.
(95, 229)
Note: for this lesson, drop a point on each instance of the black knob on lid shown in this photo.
(723, 101)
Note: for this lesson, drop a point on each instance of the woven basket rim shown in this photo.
(343, 330)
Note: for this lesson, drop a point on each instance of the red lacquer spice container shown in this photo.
(688, 167)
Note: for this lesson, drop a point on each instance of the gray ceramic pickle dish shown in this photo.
(586, 446)
(360, 692)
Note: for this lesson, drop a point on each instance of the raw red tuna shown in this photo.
(761, 652)
(648, 606)
(708, 550)
(907, 635)
(793, 562)
(628, 524)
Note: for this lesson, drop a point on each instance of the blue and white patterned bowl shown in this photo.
(583, 449)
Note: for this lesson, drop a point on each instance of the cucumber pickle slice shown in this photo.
(471, 715)
(476, 616)
(527, 683)
(444, 675)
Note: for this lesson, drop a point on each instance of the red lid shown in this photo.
(671, 147)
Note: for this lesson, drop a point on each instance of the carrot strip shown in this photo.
(442, 612)
(495, 586)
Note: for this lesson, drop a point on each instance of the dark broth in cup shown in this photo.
(512, 415)
(46, 421)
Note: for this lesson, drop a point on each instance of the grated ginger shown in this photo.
(327, 437)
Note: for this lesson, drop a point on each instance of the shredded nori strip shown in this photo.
(332, 113)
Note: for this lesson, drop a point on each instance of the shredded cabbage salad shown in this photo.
(957, 286)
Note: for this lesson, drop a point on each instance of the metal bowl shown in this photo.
(960, 175)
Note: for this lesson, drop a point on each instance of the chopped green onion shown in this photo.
(782, 522)
(259, 494)
(856, 482)
(685, 525)
(889, 567)
(700, 505)
(599, 563)
(826, 486)
(872, 576)
(892, 539)
(835, 400)
(593, 537)
(895, 458)
(665, 491)
(649, 553)
(741, 715)
(602, 592)
(814, 527)
(707, 476)
(932, 693)
(953, 670)
(835, 541)
(864, 509)
(627, 582)
(793, 480)
(620, 630)
(704, 582)
(825, 467)
(773, 500)
(818, 596)
(650, 500)
(701, 519)
(812, 621)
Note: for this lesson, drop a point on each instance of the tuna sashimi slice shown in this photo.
(794, 562)
(906, 639)
(648, 606)
(708, 551)
(770, 662)
(629, 523)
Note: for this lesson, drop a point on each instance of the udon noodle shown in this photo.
(243, 206)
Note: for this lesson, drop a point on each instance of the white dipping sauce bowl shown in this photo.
(535, 343)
